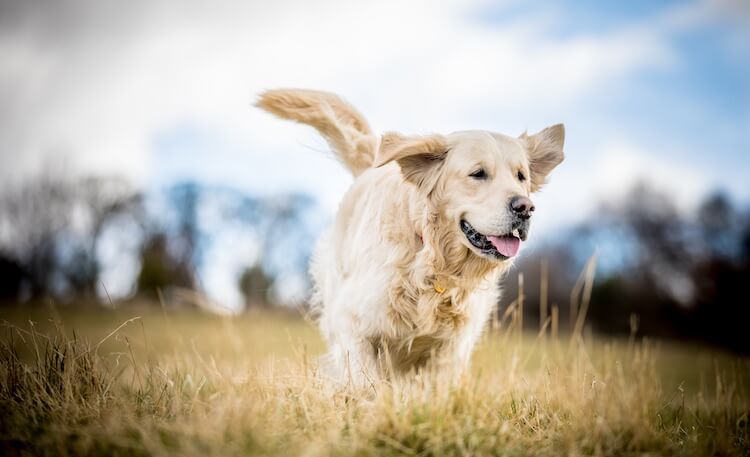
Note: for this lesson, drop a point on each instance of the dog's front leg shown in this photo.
(354, 361)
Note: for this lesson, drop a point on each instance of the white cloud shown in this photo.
(102, 93)
(622, 166)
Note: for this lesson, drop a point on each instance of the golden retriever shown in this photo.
(409, 273)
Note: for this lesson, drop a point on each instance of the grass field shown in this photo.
(147, 382)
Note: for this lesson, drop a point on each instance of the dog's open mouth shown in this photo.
(498, 246)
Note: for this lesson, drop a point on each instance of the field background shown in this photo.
(144, 199)
(146, 381)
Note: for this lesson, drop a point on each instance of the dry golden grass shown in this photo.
(79, 383)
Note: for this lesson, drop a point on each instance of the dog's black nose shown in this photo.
(521, 206)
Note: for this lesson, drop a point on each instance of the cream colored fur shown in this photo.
(397, 284)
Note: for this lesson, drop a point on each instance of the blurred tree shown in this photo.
(170, 252)
(721, 274)
(160, 270)
(720, 228)
(284, 234)
(100, 201)
(254, 284)
(12, 277)
(52, 226)
(663, 253)
(32, 217)
(654, 280)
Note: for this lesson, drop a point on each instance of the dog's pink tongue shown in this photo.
(505, 245)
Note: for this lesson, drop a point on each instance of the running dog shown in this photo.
(408, 274)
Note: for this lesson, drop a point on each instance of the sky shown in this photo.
(162, 91)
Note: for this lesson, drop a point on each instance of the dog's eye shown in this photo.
(521, 177)
(479, 174)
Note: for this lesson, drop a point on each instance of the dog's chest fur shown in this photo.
(429, 315)
(418, 335)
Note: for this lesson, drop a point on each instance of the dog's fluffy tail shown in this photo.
(343, 127)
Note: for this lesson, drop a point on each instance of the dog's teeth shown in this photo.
(516, 233)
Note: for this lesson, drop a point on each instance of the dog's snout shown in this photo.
(522, 206)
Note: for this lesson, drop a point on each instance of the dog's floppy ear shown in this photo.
(418, 156)
(545, 153)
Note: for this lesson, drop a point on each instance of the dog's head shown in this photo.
(480, 182)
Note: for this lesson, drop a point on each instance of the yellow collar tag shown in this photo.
(438, 288)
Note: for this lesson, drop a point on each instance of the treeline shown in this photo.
(661, 271)
(59, 236)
